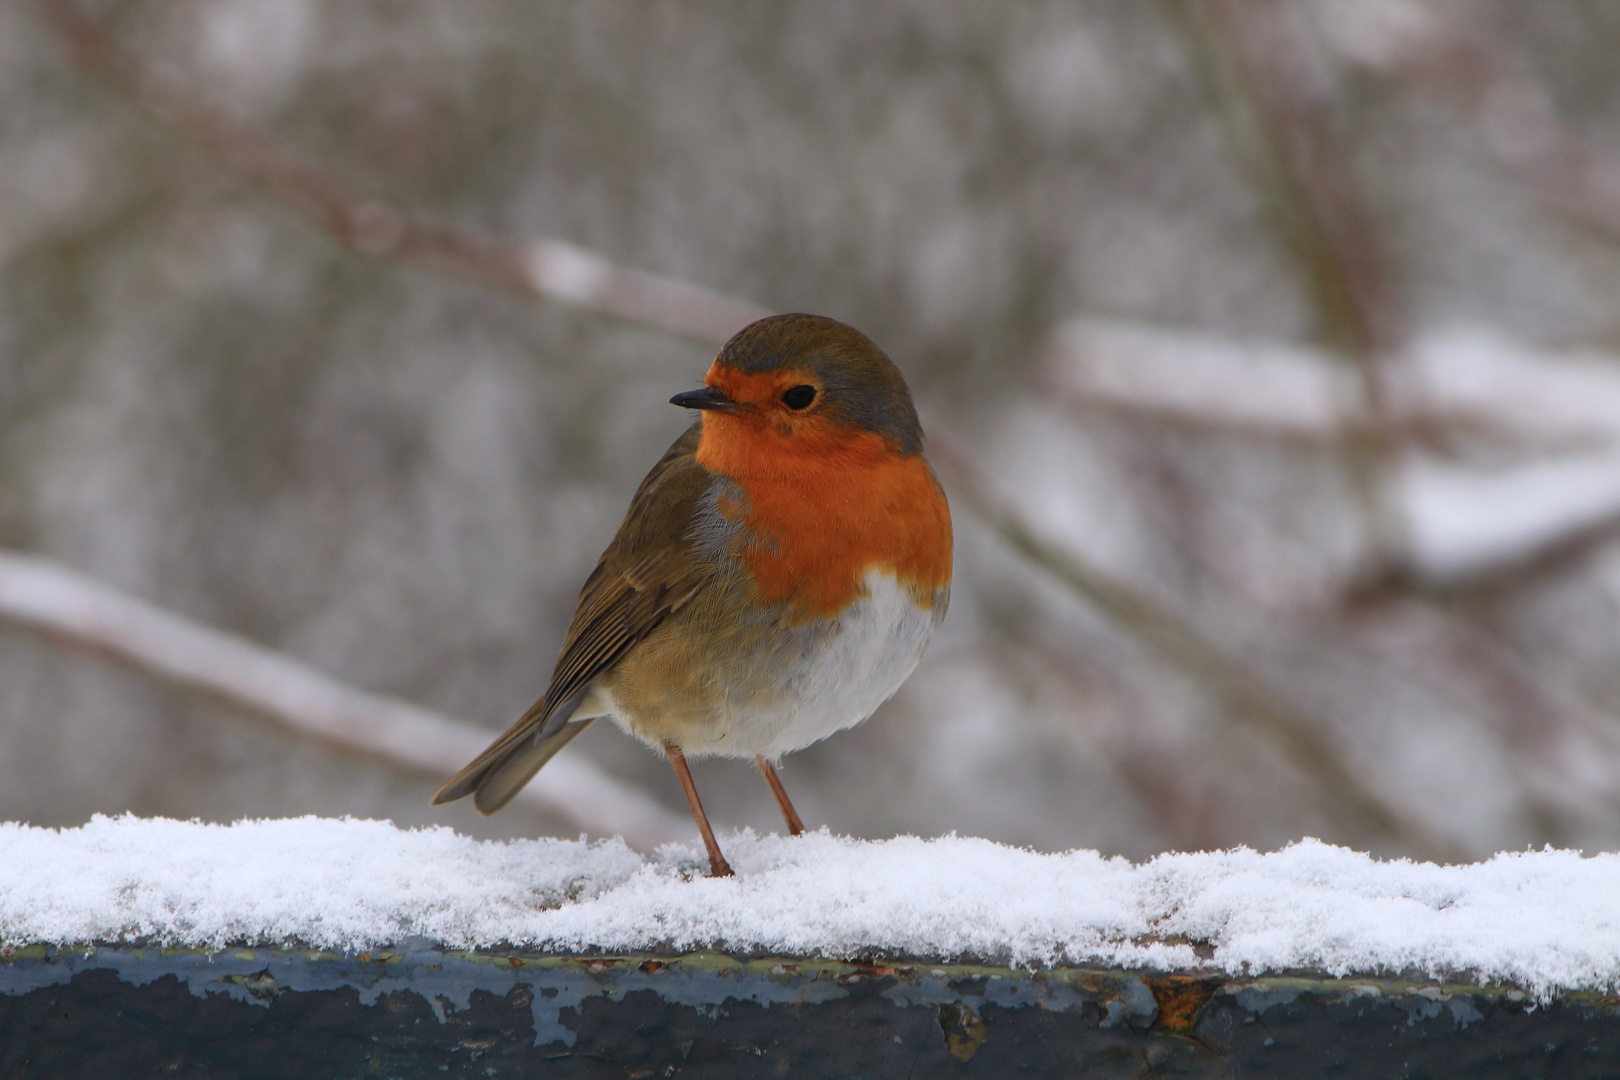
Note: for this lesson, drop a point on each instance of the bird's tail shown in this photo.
(500, 772)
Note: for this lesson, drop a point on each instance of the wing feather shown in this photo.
(649, 572)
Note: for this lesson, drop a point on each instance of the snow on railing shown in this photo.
(1544, 921)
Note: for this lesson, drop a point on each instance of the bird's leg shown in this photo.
(789, 815)
(718, 867)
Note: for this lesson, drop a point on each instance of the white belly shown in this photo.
(823, 677)
(848, 673)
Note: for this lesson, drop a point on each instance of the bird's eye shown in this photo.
(799, 397)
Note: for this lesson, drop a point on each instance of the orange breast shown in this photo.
(829, 506)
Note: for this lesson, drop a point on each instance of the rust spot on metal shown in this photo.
(872, 970)
(515, 961)
(596, 967)
(652, 967)
(1181, 1000)
(964, 1031)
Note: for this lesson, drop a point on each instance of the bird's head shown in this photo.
(803, 383)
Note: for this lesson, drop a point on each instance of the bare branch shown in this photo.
(548, 269)
(1508, 107)
(1177, 642)
(1168, 778)
(1563, 752)
(48, 597)
(1249, 54)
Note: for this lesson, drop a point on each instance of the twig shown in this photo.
(48, 597)
(1165, 775)
(1175, 641)
(548, 269)
(1564, 752)
(1510, 110)
(1249, 57)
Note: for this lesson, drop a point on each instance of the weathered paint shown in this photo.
(423, 1011)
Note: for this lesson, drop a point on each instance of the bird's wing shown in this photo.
(649, 572)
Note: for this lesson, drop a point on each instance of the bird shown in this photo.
(777, 577)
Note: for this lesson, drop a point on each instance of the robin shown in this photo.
(777, 577)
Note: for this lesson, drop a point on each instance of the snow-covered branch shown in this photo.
(48, 597)
(1178, 642)
(1554, 419)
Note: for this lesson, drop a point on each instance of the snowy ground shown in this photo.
(1544, 920)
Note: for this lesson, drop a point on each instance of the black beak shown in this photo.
(709, 397)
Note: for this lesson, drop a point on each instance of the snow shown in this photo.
(1266, 385)
(1468, 517)
(1553, 396)
(1465, 520)
(1546, 921)
(1542, 398)
(1549, 419)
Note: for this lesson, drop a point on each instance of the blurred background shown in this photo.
(1269, 351)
